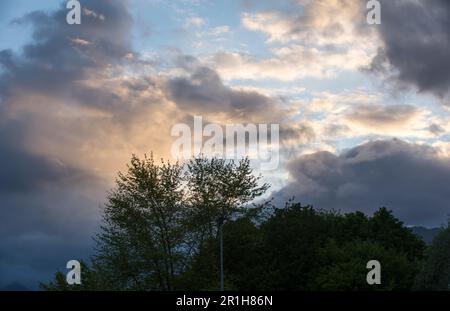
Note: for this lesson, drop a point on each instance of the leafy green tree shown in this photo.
(435, 273)
(301, 248)
(352, 225)
(142, 236)
(217, 190)
(292, 238)
(157, 218)
(244, 260)
(391, 233)
(161, 224)
(344, 267)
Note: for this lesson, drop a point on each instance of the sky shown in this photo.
(363, 109)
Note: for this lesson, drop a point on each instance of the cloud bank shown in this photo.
(409, 179)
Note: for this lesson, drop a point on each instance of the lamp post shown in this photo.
(221, 220)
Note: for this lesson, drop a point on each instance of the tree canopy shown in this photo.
(160, 232)
(435, 273)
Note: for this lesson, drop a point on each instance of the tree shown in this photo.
(391, 233)
(435, 273)
(219, 189)
(292, 237)
(157, 218)
(244, 269)
(344, 267)
(301, 248)
(140, 246)
(161, 224)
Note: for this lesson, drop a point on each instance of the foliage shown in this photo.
(435, 274)
(160, 232)
(301, 248)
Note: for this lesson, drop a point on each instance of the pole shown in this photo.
(221, 257)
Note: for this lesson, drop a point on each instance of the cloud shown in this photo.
(415, 44)
(25, 172)
(313, 39)
(55, 60)
(40, 231)
(318, 22)
(49, 203)
(73, 78)
(201, 91)
(408, 178)
(204, 92)
(364, 114)
(387, 119)
(47, 210)
(289, 63)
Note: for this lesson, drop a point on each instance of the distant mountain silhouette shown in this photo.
(426, 234)
(14, 287)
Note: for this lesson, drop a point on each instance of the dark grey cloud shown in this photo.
(436, 129)
(410, 179)
(53, 63)
(22, 171)
(44, 218)
(204, 91)
(49, 208)
(416, 39)
(41, 231)
(60, 55)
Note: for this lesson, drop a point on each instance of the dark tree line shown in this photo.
(160, 232)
